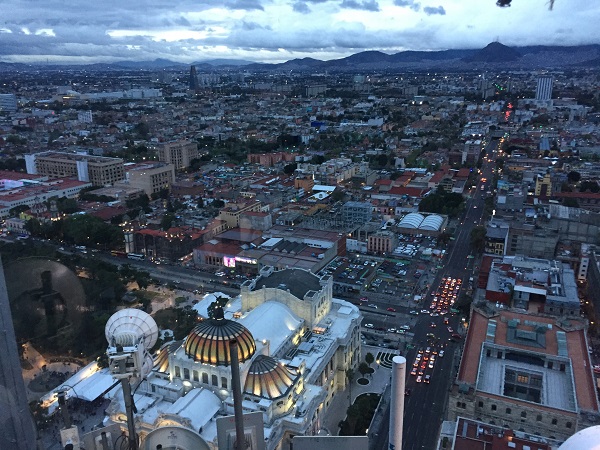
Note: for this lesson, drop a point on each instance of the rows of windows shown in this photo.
(508, 411)
(197, 376)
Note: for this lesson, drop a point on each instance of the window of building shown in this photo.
(177, 371)
(186, 373)
(494, 407)
(224, 382)
(569, 424)
(508, 411)
(215, 380)
(554, 421)
(195, 374)
(480, 404)
(204, 377)
(522, 378)
(539, 418)
(523, 414)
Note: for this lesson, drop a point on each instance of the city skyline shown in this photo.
(275, 31)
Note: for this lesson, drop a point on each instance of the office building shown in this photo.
(526, 372)
(193, 78)
(543, 91)
(382, 242)
(232, 212)
(98, 170)
(151, 177)
(535, 285)
(171, 245)
(85, 117)
(496, 237)
(357, 212)
(8, 102)
(178, 153)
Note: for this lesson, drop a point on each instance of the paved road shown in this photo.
(425, 407)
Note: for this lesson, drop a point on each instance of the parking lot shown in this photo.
(400, 277)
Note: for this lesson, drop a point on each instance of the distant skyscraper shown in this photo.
(193, 79)
(8, 102)
(544, 89)
(17, 429)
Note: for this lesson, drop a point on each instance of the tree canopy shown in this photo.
(478, 239)
(442, 202)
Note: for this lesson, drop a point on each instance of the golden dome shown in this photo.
(268, 379)
(161, 361)
(208, 342)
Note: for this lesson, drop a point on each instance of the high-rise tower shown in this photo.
(193, 79)
(544, 89)
(17, 429)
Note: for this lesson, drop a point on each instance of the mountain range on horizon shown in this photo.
(494, 54)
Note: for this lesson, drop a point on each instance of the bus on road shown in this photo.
(137, 256)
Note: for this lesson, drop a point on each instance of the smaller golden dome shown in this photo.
(161, 361)
(268, 379)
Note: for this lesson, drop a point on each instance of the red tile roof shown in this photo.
(410, 191)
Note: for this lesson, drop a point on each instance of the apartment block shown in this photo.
(151, 178)
(178, 153)
(535, 285)
(98, 170)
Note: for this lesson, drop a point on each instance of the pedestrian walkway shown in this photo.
(384, 359)
(41, 375)
(378, 381)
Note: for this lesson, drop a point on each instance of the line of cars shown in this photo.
(446, 295)
(425, 360)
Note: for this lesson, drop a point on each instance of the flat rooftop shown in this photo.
(523, 336)
(554, 387)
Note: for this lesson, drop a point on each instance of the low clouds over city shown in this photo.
(279, 30)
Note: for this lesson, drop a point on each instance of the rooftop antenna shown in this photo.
(130, 334)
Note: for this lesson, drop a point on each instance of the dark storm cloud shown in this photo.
(415, 6)
(249, 26)
(247, 5)
(301, 8)
(371, 5)
(431, 10)
(182, 21)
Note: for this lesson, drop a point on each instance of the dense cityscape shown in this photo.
(174, 235)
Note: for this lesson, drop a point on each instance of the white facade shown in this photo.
(314, 337)
(543, 91)
(8, 102)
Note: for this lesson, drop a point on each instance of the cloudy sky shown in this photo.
(278, 30)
